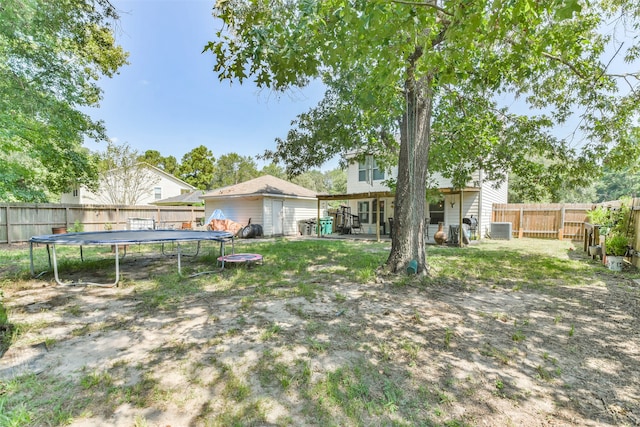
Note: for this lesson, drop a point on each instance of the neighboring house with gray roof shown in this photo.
(192, 198)
(272, 202)
(142, 184)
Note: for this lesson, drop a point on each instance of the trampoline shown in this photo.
(118, 238)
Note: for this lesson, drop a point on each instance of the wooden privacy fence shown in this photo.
(20, 221)
(546, 221)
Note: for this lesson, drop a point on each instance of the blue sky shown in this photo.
(169, 98)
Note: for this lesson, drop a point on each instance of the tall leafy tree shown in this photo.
(197, 167)
(313, 180)
(615, 184)
(620, 182)
(336, 181)
(233, 168)
(52, 55)
(418, 82)
(274, 169)
(168, 164)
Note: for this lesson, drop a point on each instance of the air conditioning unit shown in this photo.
(501, 230)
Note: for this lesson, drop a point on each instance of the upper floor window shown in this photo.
(157, 193)
(368, 170)
(75, 192)
(363, 172)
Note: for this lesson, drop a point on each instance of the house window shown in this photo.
(157, 193)
(363, 212)
(363, 172)
(75, 192)
(436, 212)
(378, 174)
(368, 170)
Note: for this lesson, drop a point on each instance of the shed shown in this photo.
(272, 202)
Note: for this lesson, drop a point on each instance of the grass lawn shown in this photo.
(523, 332)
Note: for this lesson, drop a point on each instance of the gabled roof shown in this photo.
(157, 171)
(168, 175)
(266, 185)
(191, 198)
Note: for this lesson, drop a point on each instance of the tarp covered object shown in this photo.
(225, 225)
(218, 222)
(217, 214)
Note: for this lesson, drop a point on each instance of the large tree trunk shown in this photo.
(415, 138)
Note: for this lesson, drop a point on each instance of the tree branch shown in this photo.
(568, 64)
(431, 5)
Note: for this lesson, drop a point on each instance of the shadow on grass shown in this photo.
(310, 334)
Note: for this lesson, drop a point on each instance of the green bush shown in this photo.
(617, 244)
(77, 227)
(599, 216)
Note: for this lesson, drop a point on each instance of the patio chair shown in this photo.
(355, 224)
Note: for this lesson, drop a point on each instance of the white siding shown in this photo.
(296, 210)
(478, 204)
(470, 205)
(356, 186)
(238, 210)
(259, 209)
(170, 188)
(490, 196)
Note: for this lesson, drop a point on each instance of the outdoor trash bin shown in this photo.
(326, 225)
(311, 228)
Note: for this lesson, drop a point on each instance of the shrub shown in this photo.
(599, 216)
(617, 244)
(77, 227)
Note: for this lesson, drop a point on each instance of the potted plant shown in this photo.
(599, 216)
(616, 246)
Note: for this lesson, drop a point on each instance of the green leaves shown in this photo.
(435, 84)
(51, 55)
(197, 167)
(566, 9)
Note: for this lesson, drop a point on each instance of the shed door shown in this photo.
(277, 217)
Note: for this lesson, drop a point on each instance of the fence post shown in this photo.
(521, 221)
(8, 226)
(561, 230)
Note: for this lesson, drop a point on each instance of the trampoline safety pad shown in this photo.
(240, 258)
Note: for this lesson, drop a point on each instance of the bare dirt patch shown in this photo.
(419, 354)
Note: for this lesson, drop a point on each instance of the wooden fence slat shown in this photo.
(20, 221)
(553, 220)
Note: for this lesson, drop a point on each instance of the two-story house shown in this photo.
(143, 185)
(372, 201)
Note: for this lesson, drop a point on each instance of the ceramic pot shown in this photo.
(440, 237)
